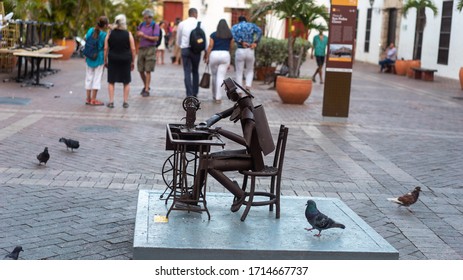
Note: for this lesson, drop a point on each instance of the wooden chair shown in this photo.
(274, 172)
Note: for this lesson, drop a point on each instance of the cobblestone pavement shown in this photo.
(400, 133)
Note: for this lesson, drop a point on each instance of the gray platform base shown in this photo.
(192, 236)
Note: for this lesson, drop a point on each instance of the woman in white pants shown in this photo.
(218, 58)
(95, 66)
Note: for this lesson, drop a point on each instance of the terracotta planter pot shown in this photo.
(263, 72)
(412, 64)
(293, 90)
(401, 67)
(461, 77)
(70, 45)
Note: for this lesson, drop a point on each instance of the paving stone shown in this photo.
(392, 141)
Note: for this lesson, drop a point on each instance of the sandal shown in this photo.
(125, 105)
(88, 101)
(96, 102)
(110, 105)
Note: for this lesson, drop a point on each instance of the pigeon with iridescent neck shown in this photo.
(318, 220)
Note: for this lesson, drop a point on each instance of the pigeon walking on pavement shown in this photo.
(14, 255)
(407, 199)
(43, 156)
(318, 220)
(73, 144)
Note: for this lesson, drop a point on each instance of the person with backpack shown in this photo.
(94, 53)
(191, 39)
(148, 32)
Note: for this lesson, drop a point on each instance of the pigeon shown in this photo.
(318, 220)
(43, 156)
(407, 199)
(15, 254)
(73, 144)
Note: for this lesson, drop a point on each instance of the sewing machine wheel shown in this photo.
(168, 171)
(191, 101)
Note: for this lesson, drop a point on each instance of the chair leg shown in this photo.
(272, 191)
(277, 198)
(250, 199)
(245, 182)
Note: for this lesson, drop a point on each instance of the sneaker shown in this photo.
(125, 105)
(110, 105)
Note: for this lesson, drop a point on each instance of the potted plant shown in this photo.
(291, 89)
(72, 19)
(420, 6)
(269, 53)
(460, 7)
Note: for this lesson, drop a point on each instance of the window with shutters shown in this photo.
(367, 31)
(445, 30)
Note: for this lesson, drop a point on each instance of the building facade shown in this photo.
(210, 12)
(438, 46)
(379, 22)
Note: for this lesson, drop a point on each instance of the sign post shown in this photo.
(341, 48)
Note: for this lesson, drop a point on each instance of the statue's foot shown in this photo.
(237, 204)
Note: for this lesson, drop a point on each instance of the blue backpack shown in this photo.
(91, 47)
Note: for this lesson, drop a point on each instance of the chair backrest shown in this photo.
(280, 149)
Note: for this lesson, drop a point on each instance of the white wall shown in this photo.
(431, 41)
(375, 49)
(407, 37)
(456, 45)
(211, 16)
(276, 29)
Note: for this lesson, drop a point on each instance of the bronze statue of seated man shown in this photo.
(257, 141)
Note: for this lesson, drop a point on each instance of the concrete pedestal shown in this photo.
(192, 236)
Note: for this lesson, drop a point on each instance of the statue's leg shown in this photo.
(226, 182)
(216, 168)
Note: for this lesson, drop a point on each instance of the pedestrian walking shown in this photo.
(176, 57)
(319, 48)
(95, 65)
(148, 33)
(218, 57)
(246, 35)
(119, 58)
(160, 50)
(190, 58)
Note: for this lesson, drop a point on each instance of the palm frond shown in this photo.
(460, 5)
(418, 4)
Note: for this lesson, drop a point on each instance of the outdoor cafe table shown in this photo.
(36, 58)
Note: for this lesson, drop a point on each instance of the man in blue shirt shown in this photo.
(319, 46)
(246, 35)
